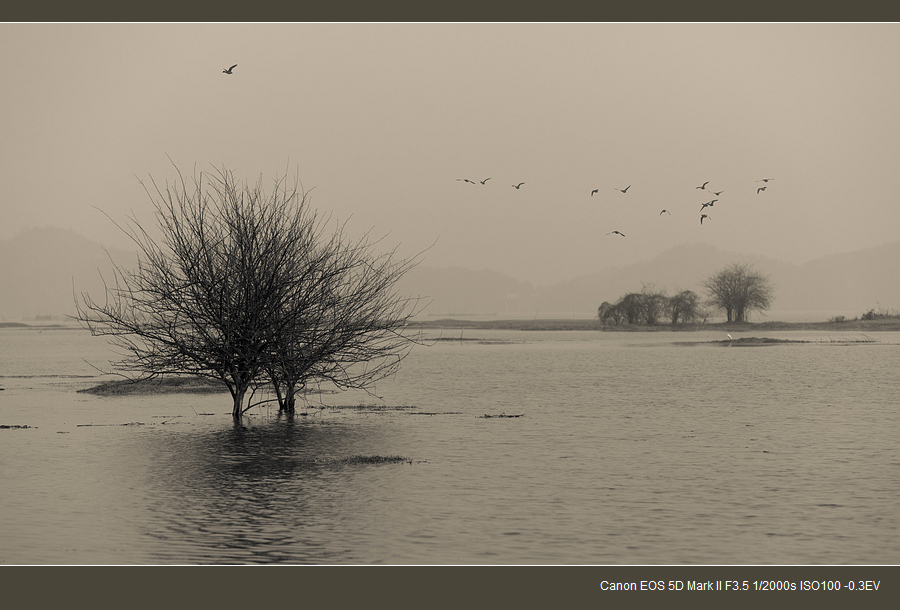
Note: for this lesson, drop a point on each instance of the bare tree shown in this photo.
(345, 324)
(632, 307)
(684, 307)
(604, 312)
(654, 303)
(739, 289)
(242, 285)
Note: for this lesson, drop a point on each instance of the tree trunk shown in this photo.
(289, 399)
(238, 394)
(277, 392)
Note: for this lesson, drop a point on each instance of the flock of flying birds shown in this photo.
(624, 191)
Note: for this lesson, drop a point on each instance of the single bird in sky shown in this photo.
(702, 217)
(465, 180)
(702, 187)
(717, 193)
(765, 179)
(516, 186)
(594, 191)
(624, 189)
(616, 233)
(229, 70)
(666, 212)
(762, 188)
(485, 180)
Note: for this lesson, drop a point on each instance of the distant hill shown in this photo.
(455, 291)
(38, 268)
(840, 284)
(852, 281)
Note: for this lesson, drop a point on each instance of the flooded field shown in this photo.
(512, 447)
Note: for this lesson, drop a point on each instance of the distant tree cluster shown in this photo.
(737, 290)
(881, 314)
(246, 287)
(650, 306)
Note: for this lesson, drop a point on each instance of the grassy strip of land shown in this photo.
(170, 384)
(358, 459)
(757, 341)
(882, 324)
(158, 385)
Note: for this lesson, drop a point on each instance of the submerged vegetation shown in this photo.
(358, 459)
(158, 385)
(755, 341)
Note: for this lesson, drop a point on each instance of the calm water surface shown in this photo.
(632, 448)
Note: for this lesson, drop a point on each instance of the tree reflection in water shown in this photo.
(257, 493)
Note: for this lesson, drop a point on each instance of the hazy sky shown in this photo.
(383, 119)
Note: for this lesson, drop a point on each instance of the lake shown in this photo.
(629, 448)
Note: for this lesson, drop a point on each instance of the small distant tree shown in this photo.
(610, 314)
(653, 304)
(684, 307)
(243, 288)
(603, 312)
(632, 307)
(738, 290)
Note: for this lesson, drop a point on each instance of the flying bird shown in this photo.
(765, 179)
(762, 188)
(702, 217)
(229, 70)
(616, 233)
(728, 335)
(594, 191)
(703, 186)
(464, 180)
(624, 189)
(485, 180)
(717, 193)
(667, 212)
(516, 186)
(708, 203)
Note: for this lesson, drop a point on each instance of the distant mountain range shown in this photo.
(39, 267)
(841, 284)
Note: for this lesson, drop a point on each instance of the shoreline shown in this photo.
(884, 324)
(890, 324)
